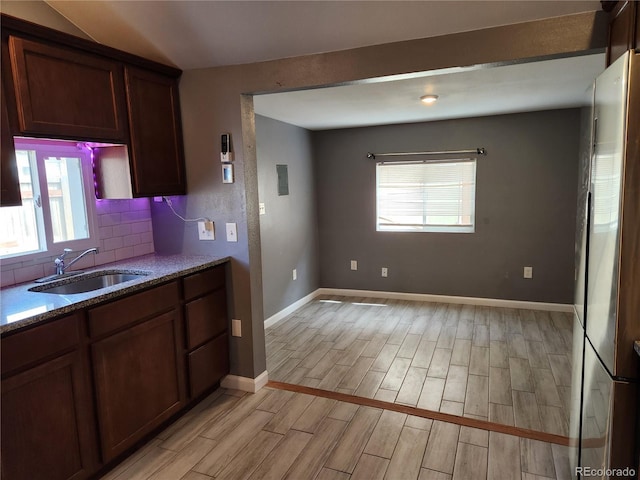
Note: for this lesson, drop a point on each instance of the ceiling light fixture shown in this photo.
(429, 99)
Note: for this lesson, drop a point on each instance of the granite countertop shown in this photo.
(19, 307)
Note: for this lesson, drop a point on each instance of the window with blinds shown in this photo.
(436, 196)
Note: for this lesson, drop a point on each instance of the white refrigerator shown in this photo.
(604, 413)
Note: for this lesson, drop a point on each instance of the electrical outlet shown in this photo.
(232, 232)
(206, 231)
(528, 272)
(384, 271)
(262, 209)
(295, 274)
(354, 265)
(236, 328)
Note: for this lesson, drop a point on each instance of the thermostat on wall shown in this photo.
(225, 148)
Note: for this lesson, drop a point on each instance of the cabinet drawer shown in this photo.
(208, 364)
(42, 341)
(206, 317)
(203, 282)
(129, 310)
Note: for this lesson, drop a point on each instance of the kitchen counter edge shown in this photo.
(17, 301)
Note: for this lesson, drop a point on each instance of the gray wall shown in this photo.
(288, 229)
(218, 100)
(525, 210)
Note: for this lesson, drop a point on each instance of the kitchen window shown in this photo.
(58, 201)
(433, 196)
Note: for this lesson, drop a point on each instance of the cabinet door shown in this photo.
(157, 155)
(45, 422)
(637, 28)
(10, 193)
(622, 30)
(137, 382)
(65, 93)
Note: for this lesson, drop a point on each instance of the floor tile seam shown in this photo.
(430, 414)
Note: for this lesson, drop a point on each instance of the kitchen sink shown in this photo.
(88, 282)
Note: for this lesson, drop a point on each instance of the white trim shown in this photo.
(245, 384)
(273, 319)
(425, 297)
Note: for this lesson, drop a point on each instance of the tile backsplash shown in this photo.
(125, 231)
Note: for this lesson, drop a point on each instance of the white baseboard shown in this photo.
(418, 297)
(245, 384)
(425, 297)
(273, 319)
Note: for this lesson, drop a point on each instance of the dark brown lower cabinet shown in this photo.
(206, 332)
(46, 427)
(207, 365)
(137, 382)
(60, 422)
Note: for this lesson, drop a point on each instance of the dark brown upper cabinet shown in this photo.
(10, 183)
(637, 27)
(66, 93)
(624, 29)
(156, 152)
(61, 86)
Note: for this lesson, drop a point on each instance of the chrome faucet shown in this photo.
(61, 267)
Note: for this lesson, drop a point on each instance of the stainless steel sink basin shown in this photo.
(88, 282)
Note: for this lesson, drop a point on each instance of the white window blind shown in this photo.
(436, 196)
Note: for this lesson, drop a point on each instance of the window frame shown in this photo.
(427, 228)
(58, 148)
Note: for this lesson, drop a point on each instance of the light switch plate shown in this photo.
(232, 232)
(354, 265)
(528, 272)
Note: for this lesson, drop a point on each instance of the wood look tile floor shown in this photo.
(502, 365)
(278, 434)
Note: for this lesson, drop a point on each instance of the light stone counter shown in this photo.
(20, 307)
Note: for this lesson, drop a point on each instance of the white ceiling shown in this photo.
(544, 85)
(200, 34)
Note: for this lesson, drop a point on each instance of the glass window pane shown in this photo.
(66, 198)
(20, 233)
(433, 196)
